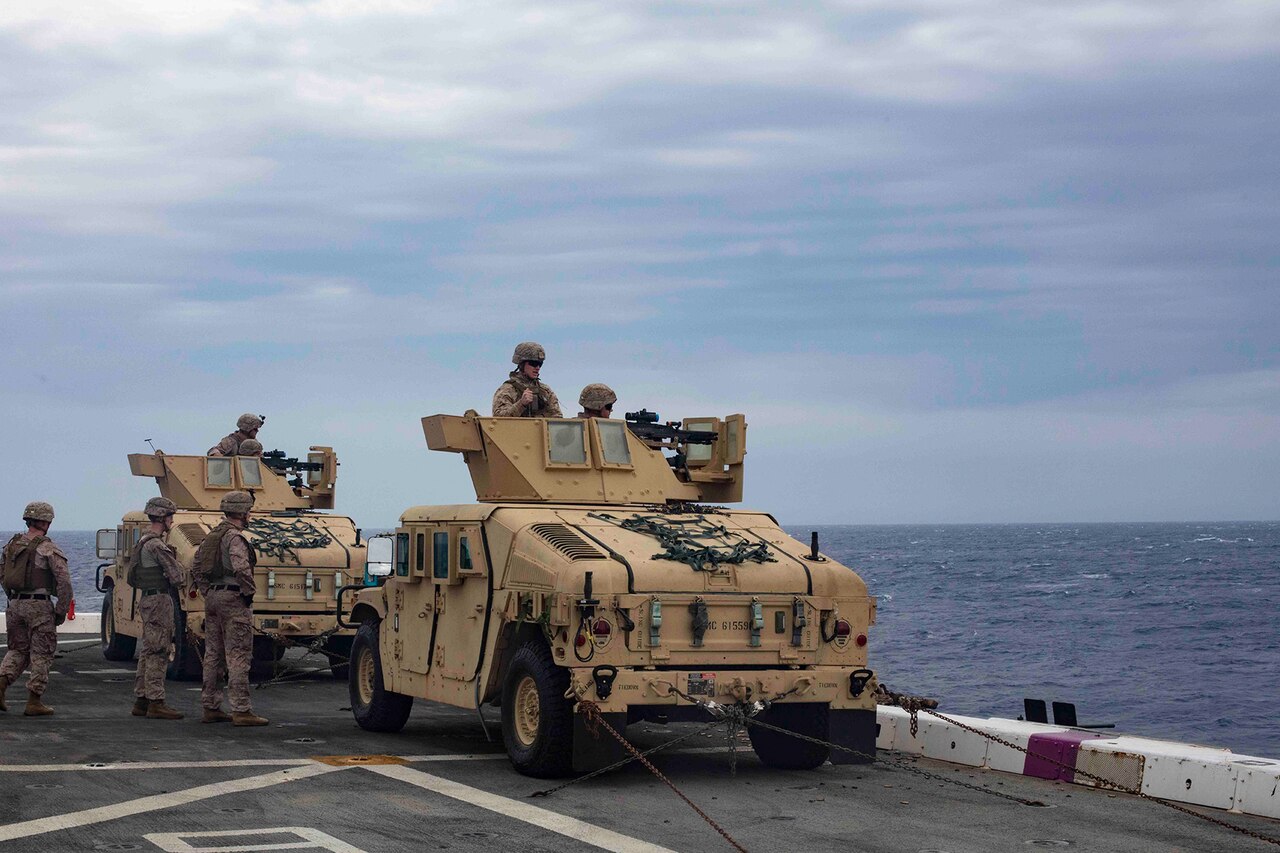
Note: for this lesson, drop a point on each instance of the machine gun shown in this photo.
(646, 426)
(277, 461)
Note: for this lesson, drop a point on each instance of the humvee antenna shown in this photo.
(153, 447)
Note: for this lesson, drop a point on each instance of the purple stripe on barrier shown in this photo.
(1044, 750)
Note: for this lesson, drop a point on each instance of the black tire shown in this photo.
(266, 654)
(338, 651)
(784, 751)
(375, 707)
(537, 721)
(188, 662)
(115, 646)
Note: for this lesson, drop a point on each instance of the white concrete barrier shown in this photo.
(1184, 773)
(1257, 786)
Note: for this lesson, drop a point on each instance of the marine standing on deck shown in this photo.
(226, 581)
(522, 395)
(157, 577)
(597, 401)
(34, 570)
(247, 426)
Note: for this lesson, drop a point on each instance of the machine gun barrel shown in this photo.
(645, 425)
(277, 461)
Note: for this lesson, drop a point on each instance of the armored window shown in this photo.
(464, 555)
(566, 442)
(250, 473)
(440, 555)
(314, 477)
(218, 472)
(402, 554)
(733, 439)
(699, 452)
(613, 442)
(420, 554)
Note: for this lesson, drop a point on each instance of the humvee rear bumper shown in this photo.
(838, 687)
(631, 695)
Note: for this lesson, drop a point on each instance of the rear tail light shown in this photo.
(843, 629)
(861, 639)
(601, 629)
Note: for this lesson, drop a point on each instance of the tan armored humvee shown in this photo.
(304, 556)
(590, 571)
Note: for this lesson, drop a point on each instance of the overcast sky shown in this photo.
(980, 261)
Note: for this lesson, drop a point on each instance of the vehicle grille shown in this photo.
(564, 540)
(194, 532)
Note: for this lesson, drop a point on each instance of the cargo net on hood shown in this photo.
(282, 539)
(698, 541)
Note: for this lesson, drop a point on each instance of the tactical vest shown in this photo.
(20, 573)
(145, 571)
(539, 402)
(215, 560)
(208, 563)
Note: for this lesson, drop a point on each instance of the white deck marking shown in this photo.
(155, 765)
(309, 839)
(133, 671)
(60, 642)
(476, 756)
(142, 805)
(596, 836)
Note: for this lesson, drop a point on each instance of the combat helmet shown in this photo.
(236, 503)
(249, 421)
(38, 511)
(528, 351)
(250, 447)
(160, 508)
(596, 396)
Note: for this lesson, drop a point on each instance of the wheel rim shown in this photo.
(527, 711)
(364, 677)
(108, 621)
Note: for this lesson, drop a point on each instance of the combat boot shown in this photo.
(247, 718)
(215, 715)
(139, 707)
(157, 710)
(36, 708)
(4, 685)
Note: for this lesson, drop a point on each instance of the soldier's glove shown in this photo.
(59, 618)
(247, 599)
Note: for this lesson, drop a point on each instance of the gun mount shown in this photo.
(596, 460)
(199, 482)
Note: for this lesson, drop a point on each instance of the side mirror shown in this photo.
(378, 557)
(107, 544)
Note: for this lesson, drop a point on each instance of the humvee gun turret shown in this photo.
(304, 556)
(589, 571)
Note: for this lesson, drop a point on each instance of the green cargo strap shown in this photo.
(700, 620)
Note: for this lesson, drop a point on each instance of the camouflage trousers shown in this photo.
(33, 640)
(156, 612)
(228, 635)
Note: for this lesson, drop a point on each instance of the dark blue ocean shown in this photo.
(1167, 630)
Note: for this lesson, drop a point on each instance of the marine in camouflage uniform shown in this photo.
(228, 590)
(32, 616)
(597, 401)
(158, 579)
(247, 426)
(249, 447)
(522, 395)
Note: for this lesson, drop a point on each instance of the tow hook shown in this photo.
(858, 681)
(604, 676)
